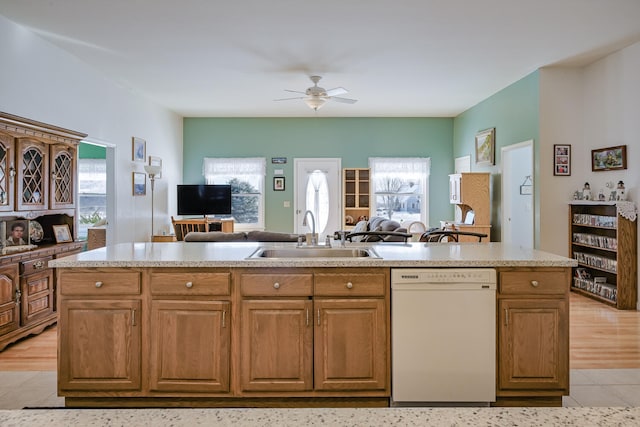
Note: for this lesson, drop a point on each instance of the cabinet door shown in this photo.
(276, 345)
(99, 345)
(190, 346)
(63, 170)
(531, 353)
(9, 301)
(7, 172)
(32, 173)
(37, 296)
(350, 344)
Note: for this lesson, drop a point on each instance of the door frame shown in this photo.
(508, 183)
(297, 216)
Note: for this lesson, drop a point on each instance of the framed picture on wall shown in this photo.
(139, 184)
(486, 147)
(278, 183)
(562, 159)
(139, 149)
(610, 158)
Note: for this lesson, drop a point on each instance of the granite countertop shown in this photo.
(234, 254)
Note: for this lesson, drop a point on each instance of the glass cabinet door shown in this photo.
(33, 168)
(62, 177)
(7, 173)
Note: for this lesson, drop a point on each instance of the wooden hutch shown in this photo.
(469, 192)
(38, 178)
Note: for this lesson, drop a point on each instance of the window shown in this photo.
(92, 193)
(400, 188)
(246, 177)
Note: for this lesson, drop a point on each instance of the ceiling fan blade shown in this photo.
(337, 91)
(295, 91)
(344, 100)
(287, 99)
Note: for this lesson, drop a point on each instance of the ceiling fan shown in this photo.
(316, 96)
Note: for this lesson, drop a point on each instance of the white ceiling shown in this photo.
(399, 58)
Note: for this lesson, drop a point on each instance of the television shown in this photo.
(201, 199)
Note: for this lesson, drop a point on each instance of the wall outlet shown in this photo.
(287, 204)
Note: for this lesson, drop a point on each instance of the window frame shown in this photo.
(399, 166)
(214, 168)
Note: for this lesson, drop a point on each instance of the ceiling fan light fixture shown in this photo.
(315, 102)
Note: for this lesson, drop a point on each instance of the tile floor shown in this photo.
(589, 388)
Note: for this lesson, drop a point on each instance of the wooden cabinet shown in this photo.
(336, 342)
(357, 195)
(99, 331)
(470, 194)
(7, 172)
(605, 244)
(533, 334)
(37, 290)
(9, 299)
(32, 174)
(190, 331)
(276, 331)
(63, 177)
(276, 340)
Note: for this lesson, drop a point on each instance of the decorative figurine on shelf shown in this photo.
(586, 191)
(620, 193)
(601, 196)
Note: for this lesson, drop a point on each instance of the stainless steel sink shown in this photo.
(314, 252)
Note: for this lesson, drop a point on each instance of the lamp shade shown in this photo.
(315, 102)
(152, 169)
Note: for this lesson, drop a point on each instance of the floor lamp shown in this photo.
(152, 171)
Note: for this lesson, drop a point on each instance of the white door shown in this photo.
(317, 187)
(517, 194)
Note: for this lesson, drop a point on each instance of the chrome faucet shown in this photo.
(314, 239)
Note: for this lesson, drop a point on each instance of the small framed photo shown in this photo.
(16, 233)
(278, 183)
(610, 158)
(156, 161)
(562, 159)
(486, 147)
(139, 149)
(139, 184)
(62, 233)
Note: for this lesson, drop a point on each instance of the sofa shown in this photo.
(241, 236)
(378, 229)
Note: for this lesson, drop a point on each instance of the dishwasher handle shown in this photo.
(443, 286)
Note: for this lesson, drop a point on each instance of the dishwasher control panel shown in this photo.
(443, 275)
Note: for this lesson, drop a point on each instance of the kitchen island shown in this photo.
(202, 324)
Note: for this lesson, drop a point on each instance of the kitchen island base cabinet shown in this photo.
(533, 336)
(99, 346)
(190, 346)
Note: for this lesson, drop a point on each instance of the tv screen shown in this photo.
(204, 199)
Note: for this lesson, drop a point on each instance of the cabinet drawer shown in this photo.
(99, 283)
(34, 265)
(336, 284)
(536, 282)
(289, 285)
(190, 283)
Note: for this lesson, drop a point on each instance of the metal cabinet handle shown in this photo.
(224, 318)
(38, 264)
(349, 285)
(189, 285)
(318, 317)
(307, 317)
(98, 284)
(276, 285)
(506, 317)
(18, 296)
(133, 317)
(534, 283)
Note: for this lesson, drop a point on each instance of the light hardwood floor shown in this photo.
(601, 337)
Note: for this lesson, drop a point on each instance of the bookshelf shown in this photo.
(356, 187)
(603, 239)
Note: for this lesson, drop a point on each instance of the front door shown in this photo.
(317, 187)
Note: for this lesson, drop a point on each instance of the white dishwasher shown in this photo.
(443, 335)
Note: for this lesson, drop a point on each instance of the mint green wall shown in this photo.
(352, 139)
(514, 112)
(90, 151)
